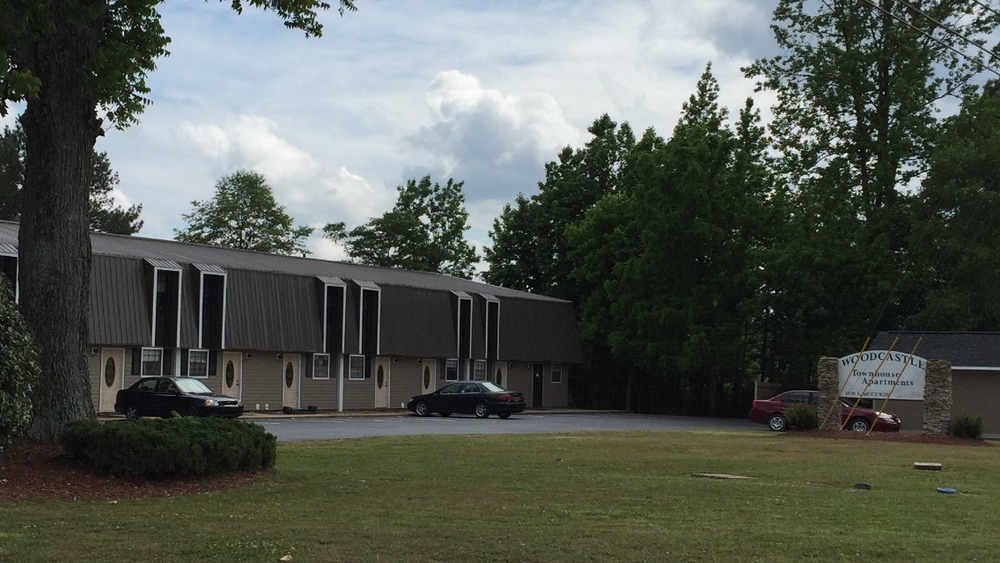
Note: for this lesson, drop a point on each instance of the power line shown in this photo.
(935, 39)
(986, 7)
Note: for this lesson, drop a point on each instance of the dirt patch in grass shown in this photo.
(43, 472)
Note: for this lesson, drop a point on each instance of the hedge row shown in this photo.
(175, 447)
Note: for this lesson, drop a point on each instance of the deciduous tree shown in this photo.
(530, 250)
(424, 231)
(956, 239)
(244, 214)
(66, 60)
(857, 85)
(106, 215)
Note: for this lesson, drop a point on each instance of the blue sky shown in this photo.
(482, 92)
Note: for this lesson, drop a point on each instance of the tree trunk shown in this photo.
(61, 128)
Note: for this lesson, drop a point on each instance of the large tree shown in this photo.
(857, 85)
(67, 60)
(530, 250)
(956, 245)
(106, 215)
(675, 259)
(424, 231)
(244, 214)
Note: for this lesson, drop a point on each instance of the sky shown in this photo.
(482, 91)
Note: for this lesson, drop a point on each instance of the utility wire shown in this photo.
(986, 7)
(949, 29)
(935, 39)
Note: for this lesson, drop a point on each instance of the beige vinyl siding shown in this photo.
(555, 394)
(519, 379)
(359, 393)
(320, 393)
(405, 383)
(262, 381)
(94, 373)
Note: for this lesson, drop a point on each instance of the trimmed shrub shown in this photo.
(19, 369)
(966, 425)
(801, 417)
(173, 447)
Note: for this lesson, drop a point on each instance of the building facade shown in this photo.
(289, 332)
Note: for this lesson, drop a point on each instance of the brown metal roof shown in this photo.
(273, 304)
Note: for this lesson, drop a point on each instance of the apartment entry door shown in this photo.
(232, 372)
(428, 375)
(112, 376)
(290, 381)
(382, 383)
(537, 381)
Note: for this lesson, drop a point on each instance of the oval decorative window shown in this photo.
(380, 378)
(109, 372)
(499, 376)
(427, 377)
(289, 375)
(230, 374)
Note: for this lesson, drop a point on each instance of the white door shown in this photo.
(232, 373)
(290, 381)
(112, 377)
(428, 375)
(500, 373)
(382, 383)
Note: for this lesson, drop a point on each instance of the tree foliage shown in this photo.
(530, 250)
(679, 251)
(67, 60)
(106, 215)
(858, 85)
(244, 214)
(956, 236)
(18, 368)
(731, 251)
(424, 231)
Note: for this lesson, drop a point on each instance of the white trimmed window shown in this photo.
(321, 366)
(556, 373)
(479, 370)
(152, 361)
(451, 369)
(356, 367)
(198, 363)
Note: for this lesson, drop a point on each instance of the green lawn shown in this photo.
(569, 497)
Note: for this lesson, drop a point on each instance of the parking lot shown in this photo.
(293, 428)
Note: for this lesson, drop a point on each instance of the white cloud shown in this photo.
(481, 92)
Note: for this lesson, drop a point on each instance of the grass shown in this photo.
(570, 497)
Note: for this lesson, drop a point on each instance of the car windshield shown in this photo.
(192, 386)
(491, 387)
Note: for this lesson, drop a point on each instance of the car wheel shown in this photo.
(132, 412)
(777, 423)
(191, 411)
(504, 415)
(420, 409)
(482, 411)
(445, 414)
(859, 425)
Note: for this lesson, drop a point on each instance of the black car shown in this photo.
(480, 398)
(162, 396)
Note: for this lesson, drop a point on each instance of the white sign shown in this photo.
(878, 374)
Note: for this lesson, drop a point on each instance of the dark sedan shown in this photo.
(480, 398)
(772, 412)
(162, 396)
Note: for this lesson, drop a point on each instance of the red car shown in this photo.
(771, 412)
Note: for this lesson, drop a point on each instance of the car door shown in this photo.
(165, 399)
(143, 397)
(469, 396)
(446, 399)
